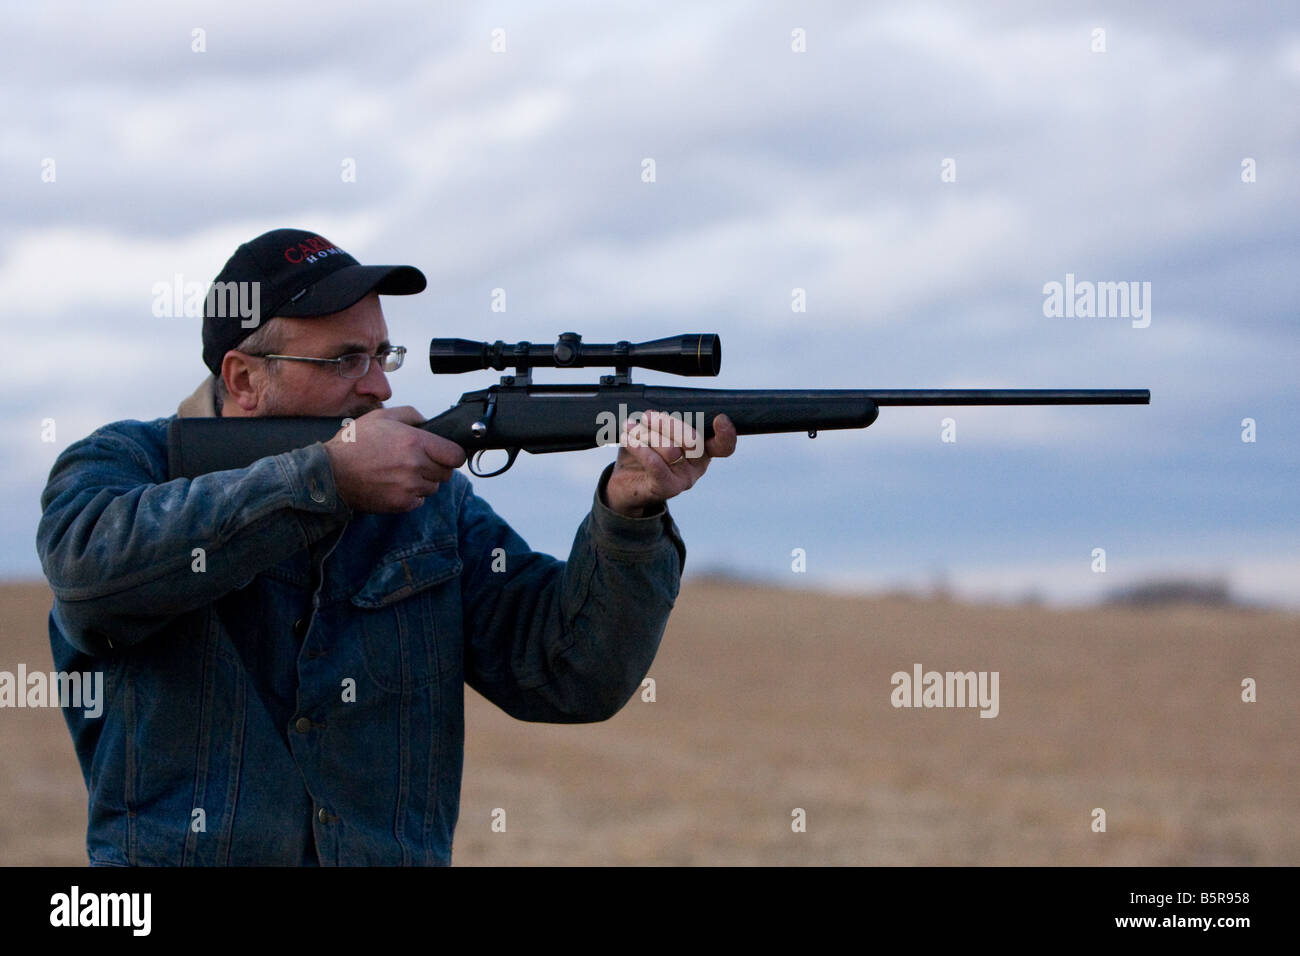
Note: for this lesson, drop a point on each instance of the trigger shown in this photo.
(511, 455)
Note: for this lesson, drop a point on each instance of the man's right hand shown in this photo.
(391, 466)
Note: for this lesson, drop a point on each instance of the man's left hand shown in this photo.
(659, 458)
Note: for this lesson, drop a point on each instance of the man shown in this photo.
(285, 646)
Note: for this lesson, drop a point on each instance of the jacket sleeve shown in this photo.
(117, 540)
(566, 642)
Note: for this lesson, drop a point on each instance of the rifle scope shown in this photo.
(693, 354)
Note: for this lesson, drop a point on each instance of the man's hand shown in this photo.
(391, 467)
(660, 458)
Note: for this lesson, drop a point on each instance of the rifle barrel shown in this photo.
(1010, 396)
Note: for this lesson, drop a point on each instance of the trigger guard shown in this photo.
(512, 454)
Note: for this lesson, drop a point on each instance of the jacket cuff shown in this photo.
(313, 494)
(611, 530)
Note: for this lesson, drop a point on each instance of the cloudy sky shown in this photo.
(922, 171)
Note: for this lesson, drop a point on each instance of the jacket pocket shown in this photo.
(410, 616)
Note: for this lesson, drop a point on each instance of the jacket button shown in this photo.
(302, 725)
(317, 493)
(300, 628)
(323, 815)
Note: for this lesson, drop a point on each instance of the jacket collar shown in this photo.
(200, 403)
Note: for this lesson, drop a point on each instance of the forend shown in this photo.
(696, 353)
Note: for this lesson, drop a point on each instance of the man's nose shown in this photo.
(375, 382)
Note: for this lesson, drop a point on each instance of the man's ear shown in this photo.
(245, 379)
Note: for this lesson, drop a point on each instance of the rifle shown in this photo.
(519, 415)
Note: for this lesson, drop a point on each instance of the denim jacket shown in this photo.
(284, 680)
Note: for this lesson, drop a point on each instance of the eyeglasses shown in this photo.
(354, 364)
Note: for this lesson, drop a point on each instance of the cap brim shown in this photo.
(345, 288)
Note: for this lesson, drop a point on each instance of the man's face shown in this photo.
(308, 388)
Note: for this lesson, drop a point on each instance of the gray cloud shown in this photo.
(774, 170)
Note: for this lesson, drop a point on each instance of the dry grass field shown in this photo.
(772, 700)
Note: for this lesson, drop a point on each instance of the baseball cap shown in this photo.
(299, 274)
